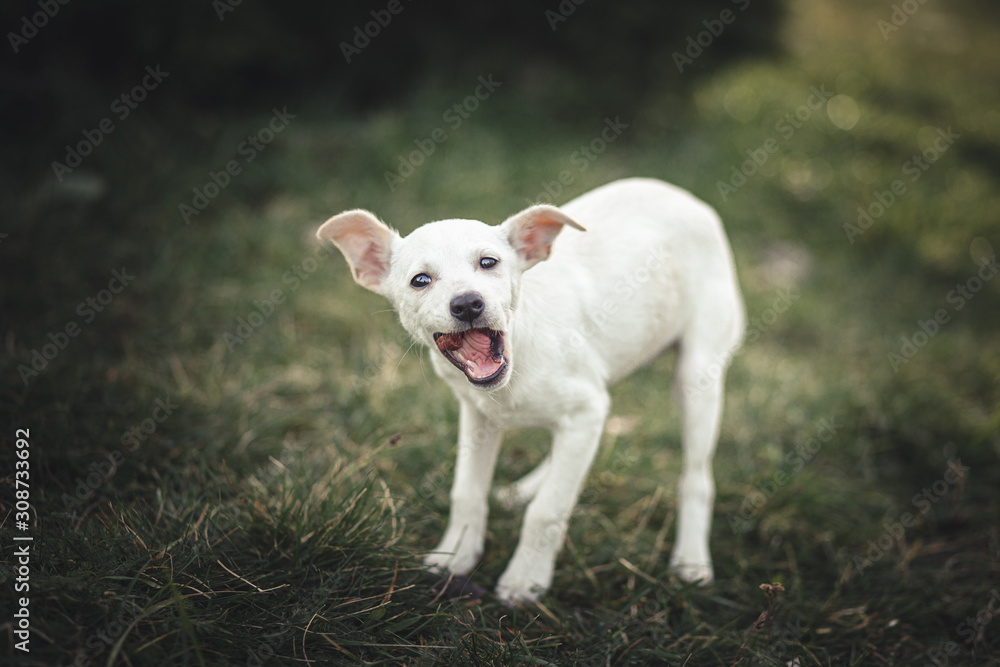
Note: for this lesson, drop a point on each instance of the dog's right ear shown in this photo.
(366, 243)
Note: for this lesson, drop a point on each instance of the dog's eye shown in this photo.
(420, 281)
(488, 262)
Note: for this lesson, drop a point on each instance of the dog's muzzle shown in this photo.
(477, 352)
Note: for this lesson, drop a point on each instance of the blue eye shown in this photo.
(420, 281)
(488, 262)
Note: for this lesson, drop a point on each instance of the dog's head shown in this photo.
(454, 283)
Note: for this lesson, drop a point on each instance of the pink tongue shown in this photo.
(475, 352)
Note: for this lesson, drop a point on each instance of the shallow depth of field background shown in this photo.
(239, 458)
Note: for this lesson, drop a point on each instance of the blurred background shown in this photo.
(206, 388)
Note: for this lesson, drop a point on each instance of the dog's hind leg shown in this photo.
(699, 392)
(523, 490)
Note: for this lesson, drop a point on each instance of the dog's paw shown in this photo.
(437, 563)
(442, 561)
(525, 586)
(694, 572)
(523, 593)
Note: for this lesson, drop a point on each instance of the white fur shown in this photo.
(653, 269)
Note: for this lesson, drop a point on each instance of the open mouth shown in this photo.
(476, 352)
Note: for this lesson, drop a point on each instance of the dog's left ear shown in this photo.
(366, 243)
(533, 230)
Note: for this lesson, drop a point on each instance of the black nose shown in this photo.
(467, 307)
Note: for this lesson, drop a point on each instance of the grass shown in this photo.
(278, 514)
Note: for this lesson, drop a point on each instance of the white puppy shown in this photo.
(540, 347)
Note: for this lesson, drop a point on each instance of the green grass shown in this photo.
(280, 512)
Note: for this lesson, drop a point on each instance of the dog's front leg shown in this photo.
(462, 544)
(574, 444)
